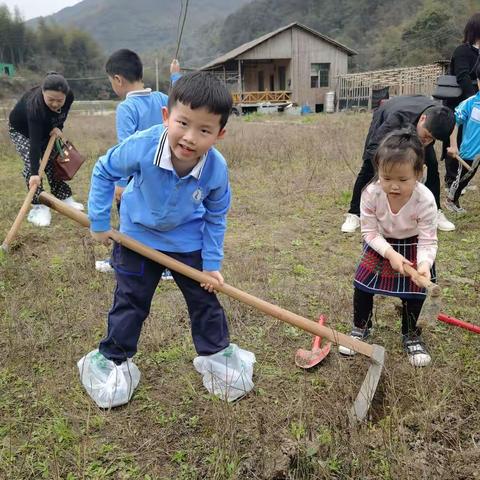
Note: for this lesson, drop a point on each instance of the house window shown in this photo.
(319, 75)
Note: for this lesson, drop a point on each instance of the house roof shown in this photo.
(253, 43)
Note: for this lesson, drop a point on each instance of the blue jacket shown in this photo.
(468, 115)
(158, 208)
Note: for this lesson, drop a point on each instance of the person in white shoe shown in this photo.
(39, 113)
(432, 122)
(139, 109)
(398, 217)
(467, 115)
(177, 203)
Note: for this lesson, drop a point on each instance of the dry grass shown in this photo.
(291, 182)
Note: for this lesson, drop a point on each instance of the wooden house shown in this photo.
(293, 64)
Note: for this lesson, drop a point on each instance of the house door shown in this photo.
(282, 76)
(272, 83)
(261, 81)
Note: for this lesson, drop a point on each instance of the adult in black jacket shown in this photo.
(431, 121)
(462, 65)
(39, 113)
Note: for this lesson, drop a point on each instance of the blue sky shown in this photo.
(36, 8)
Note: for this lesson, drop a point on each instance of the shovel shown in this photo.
(375, 352)
(310, 358)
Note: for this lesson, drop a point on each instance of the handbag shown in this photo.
(67, 161)
(447, 87)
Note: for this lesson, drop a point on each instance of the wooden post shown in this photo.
(240, 79)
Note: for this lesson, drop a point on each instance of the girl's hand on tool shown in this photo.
(56, 131)
(217, 276)
(396, 260)
(102, 237)
(424, 270)
(34, 181)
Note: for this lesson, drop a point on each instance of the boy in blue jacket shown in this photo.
(176, 202)
(139, 109)
(468, 115)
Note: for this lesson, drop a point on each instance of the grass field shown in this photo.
(291, 181)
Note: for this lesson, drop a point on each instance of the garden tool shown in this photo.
(310, 358)
(375, 352)
(458, 323)
(28, 199)
(460, 160)
(431, 305)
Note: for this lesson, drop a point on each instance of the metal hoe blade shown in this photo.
(310, 358)
(431, 307)
(369, 386)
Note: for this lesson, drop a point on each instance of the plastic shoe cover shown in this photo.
(228, 373)
(72, 203)
(443, 223)
(351, 223)
(104, 266)
(40, 216)
(108, 384)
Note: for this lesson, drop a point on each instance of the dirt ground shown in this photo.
(291, 182)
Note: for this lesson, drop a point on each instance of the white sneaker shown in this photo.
(351, 223)
(104, 266)
(356, 334)
(40, 216)
(418, 355)
(443, 224)
(451, 206)
(72, 203)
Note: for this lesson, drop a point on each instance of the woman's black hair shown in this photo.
(400, 146)
(35, 103)
(471, 32)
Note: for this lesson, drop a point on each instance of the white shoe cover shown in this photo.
(72, 203)
(228, 373)
(108, 384)
(40, 216)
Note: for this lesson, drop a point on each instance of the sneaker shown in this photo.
(352, 222)
(40, 216)
(104, 266)
(416, 351)
(443, 224)
(356, 334)
(167, 275)
(72, 203)
(454, 207)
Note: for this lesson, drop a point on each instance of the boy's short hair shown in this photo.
(440, 122)
(202, 90)
(126, 63)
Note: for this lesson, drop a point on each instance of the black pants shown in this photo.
(367, 172)
(451, 165)
(137, 278)
(461, 180)
(363, 307)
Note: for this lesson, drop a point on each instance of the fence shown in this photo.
(358, 90)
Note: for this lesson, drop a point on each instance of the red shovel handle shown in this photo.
(318, 340)
(458, 323)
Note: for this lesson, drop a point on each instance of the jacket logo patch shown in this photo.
(197, 195)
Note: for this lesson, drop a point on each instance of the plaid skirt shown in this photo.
(375, 274)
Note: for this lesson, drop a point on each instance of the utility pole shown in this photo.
(156, 73)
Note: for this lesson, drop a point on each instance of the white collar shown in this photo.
(135, 93)
(163, 157)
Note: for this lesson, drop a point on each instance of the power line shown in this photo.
(179, 38)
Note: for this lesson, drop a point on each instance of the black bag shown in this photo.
(447, 87)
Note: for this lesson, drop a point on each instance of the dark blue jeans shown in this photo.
(137, 278)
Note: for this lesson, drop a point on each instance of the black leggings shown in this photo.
(363, 307)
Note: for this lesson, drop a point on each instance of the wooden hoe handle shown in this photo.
(28, 199)
(265, 307)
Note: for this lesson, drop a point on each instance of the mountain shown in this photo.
(386, 33)
(142, 25)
